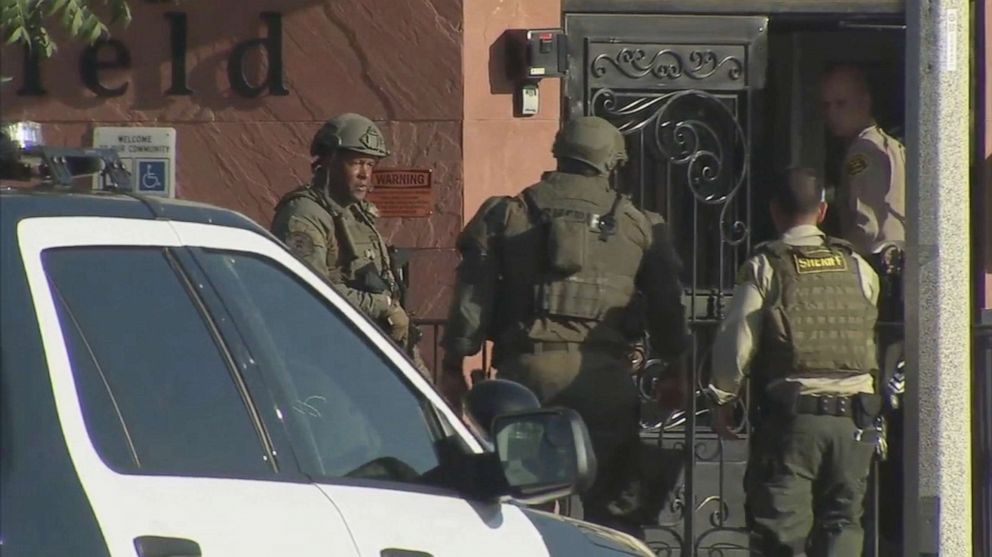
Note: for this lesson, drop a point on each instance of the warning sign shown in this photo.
(402, 193)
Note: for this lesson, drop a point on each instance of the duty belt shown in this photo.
(539, 347)
(825, 405)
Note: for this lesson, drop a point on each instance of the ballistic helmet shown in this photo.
(349, 131)
(593, 141)
(495, 397)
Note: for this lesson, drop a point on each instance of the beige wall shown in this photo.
(503, 154)
(985, 129)
(338, 56)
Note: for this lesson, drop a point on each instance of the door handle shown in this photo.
(160, 546)
(393, 552)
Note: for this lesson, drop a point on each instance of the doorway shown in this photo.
(713, 106)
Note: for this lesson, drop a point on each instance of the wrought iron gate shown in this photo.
(681, 90)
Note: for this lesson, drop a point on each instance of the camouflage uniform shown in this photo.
(338, 241)
(872, 195)
(803, 317)
(337, 236)
(558, 278)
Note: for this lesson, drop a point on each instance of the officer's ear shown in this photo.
(821, 212)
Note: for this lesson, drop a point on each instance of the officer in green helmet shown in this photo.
(554, 277)
(331, 225)
(801, 324)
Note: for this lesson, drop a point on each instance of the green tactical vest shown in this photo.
(570, 262)
(822, 324)
(357, 240)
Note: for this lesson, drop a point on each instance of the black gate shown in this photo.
(681, 89)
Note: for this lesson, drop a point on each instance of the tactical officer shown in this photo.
(871, 198)
(551, 277)
(330, 224)
(802, 323)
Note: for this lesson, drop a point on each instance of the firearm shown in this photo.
(399, 259)
(368, 279)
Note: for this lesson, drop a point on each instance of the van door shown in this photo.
(160, 428)
(365, 425)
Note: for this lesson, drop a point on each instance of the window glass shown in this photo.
(148, 367)
(348, 410)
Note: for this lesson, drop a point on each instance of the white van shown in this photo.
(174, 383)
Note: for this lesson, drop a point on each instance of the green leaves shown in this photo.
(23, 21)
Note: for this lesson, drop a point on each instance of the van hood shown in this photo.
(567, 537)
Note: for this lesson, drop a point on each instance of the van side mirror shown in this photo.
(545, 454)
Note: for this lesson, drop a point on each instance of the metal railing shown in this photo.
(704, 511)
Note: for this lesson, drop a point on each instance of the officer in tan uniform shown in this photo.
(871, 198)
(559, 278)
(329, 224)
(801, 324)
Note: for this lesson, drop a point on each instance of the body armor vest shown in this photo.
(821, 324)
(358, 242)
(575, 262)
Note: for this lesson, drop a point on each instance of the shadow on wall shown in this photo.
(499, 82)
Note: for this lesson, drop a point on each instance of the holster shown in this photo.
(368, 279)
(782, 401)
(867, 407)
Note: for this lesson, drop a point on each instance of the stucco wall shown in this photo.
(503, 153)
(396, 62)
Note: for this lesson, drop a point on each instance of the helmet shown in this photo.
(494, 397)
(350, 131)
(591, 140)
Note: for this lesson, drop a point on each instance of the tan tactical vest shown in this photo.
(570, 260)
(821, 324)
(357, 240)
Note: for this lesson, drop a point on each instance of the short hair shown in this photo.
(852, 72)
(797, 192)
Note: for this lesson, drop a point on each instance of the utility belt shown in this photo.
(540, 347)
(863, 408)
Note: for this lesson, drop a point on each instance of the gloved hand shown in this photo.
(454, 381)
(670, 387)
(895, 387)
(397, 324)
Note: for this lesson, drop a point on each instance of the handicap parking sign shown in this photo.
(151, 176)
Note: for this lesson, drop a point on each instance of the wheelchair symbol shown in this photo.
(150, 181)
(151, 176)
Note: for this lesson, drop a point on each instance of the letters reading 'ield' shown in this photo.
(110, 54)
(820, 264)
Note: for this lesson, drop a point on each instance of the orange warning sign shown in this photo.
(402, 193)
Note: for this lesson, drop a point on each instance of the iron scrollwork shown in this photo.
(692, 143)
(667, 63)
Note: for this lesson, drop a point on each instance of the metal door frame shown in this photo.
(721, 62)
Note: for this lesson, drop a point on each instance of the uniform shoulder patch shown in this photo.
(819, 262)
(300, 243)
(857, 165)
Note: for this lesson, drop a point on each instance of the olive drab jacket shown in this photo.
(341, 243)
(821, 325)
(568, 260)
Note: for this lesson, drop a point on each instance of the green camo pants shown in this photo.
(805, 484)
(597, 385)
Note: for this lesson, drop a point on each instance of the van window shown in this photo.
(157, 393)
(349, 412)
